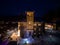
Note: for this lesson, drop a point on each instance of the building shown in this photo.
(30, 25)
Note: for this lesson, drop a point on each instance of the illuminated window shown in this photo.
(48, 26)
(35, 24)
(39, 24)
(29, 22)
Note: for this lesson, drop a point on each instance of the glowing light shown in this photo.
(18, 32)
(48, 27)
(18, 23)
(30, 13)
(14, 36)
(39, 24)
(29, 22)
(27, 40)
(35, 24)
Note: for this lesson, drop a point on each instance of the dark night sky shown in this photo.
(15, 7)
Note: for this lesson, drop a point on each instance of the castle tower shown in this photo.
(30, 19)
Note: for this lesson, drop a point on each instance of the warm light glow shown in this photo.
(48, 26)
(35, 24)
(14, 36)
(18, 23)
(30, 19)
(18, 32)
(29, 22)
(30, 13)
(18, 29)
(39, 24)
